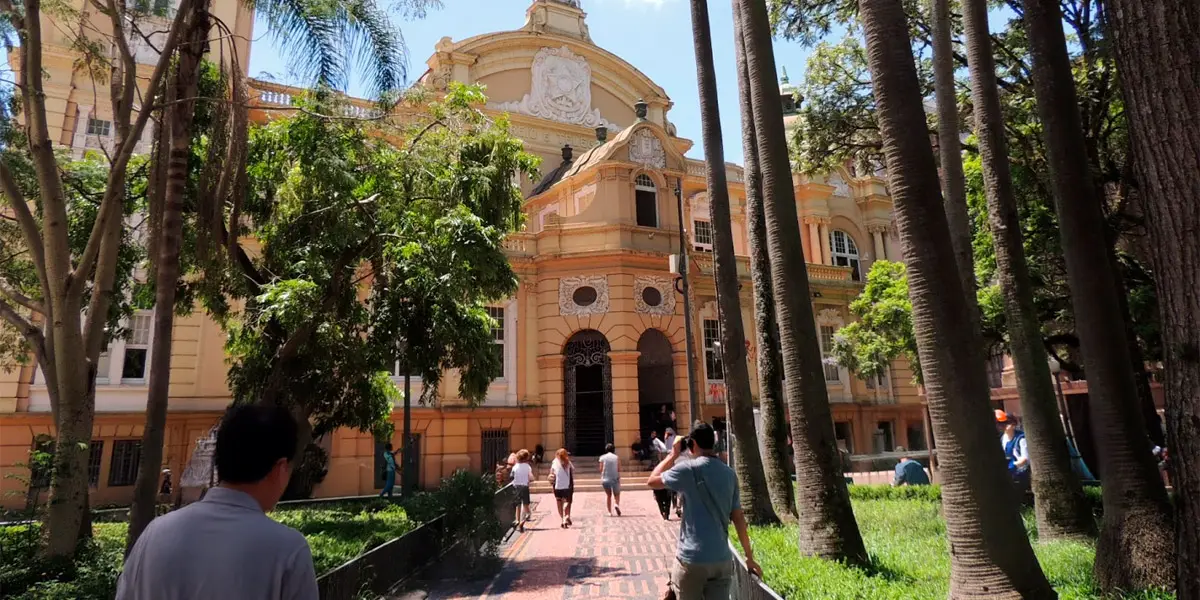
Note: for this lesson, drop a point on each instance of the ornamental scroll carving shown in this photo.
(561, 91)
(645, 149)
(666, 295)
(567, 286)
(830, 317)
(840, 187)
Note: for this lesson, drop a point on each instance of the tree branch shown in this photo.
(29, 226)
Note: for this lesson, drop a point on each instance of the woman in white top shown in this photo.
(522, 474)
(562, 476)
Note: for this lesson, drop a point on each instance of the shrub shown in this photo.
(927, 493)
(24, 576)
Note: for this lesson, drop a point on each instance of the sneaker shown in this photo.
(618, 509)
(521, 527)
(568, 521)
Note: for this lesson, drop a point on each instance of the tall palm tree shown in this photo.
(1135, 545)
(991, 556)
(1058, 496)
(323, 40)
(954, 183)
(748, 461)
(826, 525)
(774, 433)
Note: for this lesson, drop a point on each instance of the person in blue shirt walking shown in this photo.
(704, 565)
(909, 472)
(389, 457)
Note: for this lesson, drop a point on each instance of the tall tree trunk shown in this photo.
(770, 365)
(1058, 496)
(990, 557)
(826, 526)
(954, 183)
(1159, 62)
(1134, 549)
(178, 117)
(752, 481)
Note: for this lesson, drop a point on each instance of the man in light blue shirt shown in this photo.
(704, 564)
(225, 546)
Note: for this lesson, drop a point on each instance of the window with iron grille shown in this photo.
(702, 235)
(832, 373)
(95, 453)
(494, 448)
(497, 313)
(712, 357)
(126, 457)
(99, 127)
(646, 197)
(844, 252)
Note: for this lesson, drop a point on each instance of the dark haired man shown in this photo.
(704, 567)
(225, 546)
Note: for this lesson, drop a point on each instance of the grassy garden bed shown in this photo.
(906, 538)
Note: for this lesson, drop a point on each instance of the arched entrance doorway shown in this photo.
(587, 382)
(656, 383)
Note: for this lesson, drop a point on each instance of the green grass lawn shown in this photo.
(336, 533)
(906, 539)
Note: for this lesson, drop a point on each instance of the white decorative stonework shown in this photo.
(840, 187)
(645, 149)
(830, 317)
(567, 286)
(561, 91)
(666, 291)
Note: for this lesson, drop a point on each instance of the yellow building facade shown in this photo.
(593, 341)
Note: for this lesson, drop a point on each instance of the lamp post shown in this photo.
(693, 399)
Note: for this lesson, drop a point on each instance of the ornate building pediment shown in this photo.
(561, 90)
(646, 150)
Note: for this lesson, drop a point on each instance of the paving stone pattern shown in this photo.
(598, 557)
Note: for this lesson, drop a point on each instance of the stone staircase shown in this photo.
(587, 476)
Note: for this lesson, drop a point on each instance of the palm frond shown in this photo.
(376, 45)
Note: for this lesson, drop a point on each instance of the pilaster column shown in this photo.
(626, 410)
(814, 242)
(880, 249)
(823, 242)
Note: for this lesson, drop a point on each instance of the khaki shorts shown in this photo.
(702, 581)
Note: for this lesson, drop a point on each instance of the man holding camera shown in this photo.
(704, 564)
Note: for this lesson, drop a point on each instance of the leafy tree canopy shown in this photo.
(884, 329)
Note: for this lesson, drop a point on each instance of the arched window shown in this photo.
(646, 196)
(844, 252)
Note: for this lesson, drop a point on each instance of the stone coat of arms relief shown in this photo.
(561, 91)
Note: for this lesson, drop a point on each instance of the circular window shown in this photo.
(584, 296)
(651, 296)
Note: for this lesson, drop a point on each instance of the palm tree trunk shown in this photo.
(752, 482)
(166, 278)
(773, 437)
(1058, 496)
(954, 183)
(1157, 57)
(1135, 545)
(991, 556)
(826, 526)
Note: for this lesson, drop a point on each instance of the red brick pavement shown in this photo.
(598, 557)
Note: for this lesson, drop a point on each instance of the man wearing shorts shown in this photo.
(522, 474)
(610, 479)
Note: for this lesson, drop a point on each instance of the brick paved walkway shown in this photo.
(598, 557)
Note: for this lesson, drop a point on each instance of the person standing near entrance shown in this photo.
(389, 458)
(704, 565)
(610, 479)
(562, 477)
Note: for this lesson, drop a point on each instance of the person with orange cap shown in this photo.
(1016, 450)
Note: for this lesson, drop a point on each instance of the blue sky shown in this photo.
(653, 35)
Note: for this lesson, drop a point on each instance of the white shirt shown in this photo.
(609, 467)
(562, 475)
(521, 474)
(659, 445)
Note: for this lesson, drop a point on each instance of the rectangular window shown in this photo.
(137, 348)
(885, 440)
(832, 372)
(843, 432)
(96, 452)
(126, 457)
(99, 127)
(702, 235)
(497, 313)
(712, 356)
(647, 208)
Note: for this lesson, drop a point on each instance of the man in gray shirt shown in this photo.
(225, 546)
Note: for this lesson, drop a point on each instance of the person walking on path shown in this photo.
(610, 479)
(562, 476)
(704, 564)
(225, 546)
(522, 474)
(389, 481)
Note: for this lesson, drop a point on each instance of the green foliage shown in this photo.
(468, 502)
(884, 330)
(93, 575)
(338, 533)
(910, 560)
(933, 493)
(339, 211)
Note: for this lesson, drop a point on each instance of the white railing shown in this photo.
(275, 98)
